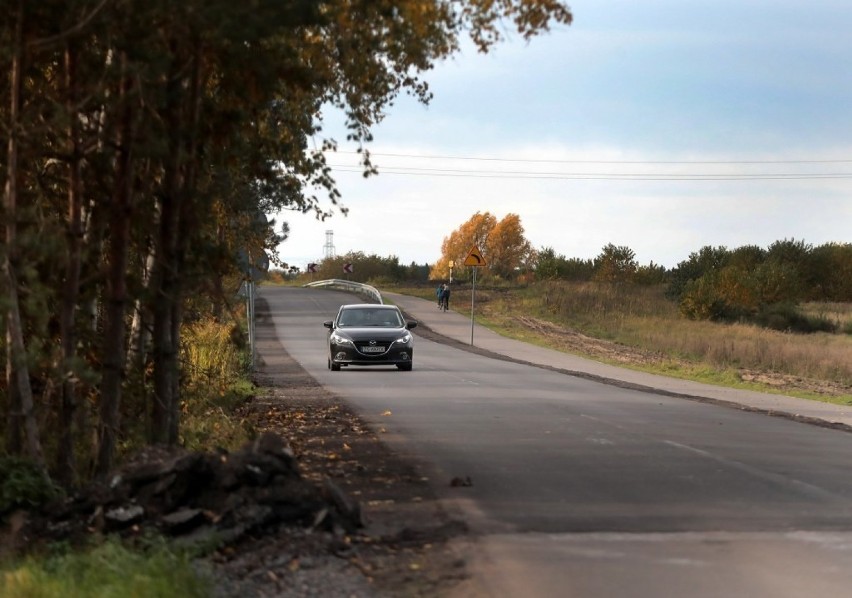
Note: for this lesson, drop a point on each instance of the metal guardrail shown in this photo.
(349, 286)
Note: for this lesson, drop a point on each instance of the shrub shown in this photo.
(786, 317)
(216, 367)
(701, 300)
(23, 485)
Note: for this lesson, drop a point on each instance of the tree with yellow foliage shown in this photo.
(502, 244)
(507, 248)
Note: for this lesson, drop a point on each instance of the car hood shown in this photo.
(372, 333)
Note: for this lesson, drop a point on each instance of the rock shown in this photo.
(348, 508)
(123, 517)
(183, 521)
(208, 495)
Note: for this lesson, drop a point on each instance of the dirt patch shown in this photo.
(787, 382)
(565, 339)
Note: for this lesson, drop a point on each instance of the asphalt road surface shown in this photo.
(587, 489)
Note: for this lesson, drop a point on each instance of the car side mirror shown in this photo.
(411, 324)
(328, 323)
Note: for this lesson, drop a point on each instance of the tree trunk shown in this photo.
(19, 370)
(115, 305)
(140, 335)
(164, 295)
(187, 222)
(175, 234)
(14, 421)
(66, 462)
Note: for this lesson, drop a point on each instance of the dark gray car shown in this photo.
(370, 334)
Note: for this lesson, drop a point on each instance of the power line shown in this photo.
(548, 161)
(415, 171)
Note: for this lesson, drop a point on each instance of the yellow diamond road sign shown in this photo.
(474, 257)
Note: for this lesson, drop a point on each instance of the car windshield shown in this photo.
(385, 318)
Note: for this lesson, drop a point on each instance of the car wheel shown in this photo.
(335, 367)
(405, 367)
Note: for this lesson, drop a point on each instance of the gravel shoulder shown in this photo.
(409, 545)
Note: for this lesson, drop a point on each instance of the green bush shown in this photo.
(787, 318)
(23, 485)
(702, 300)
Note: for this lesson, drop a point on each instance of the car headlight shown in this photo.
(404, 339)
(340, 340)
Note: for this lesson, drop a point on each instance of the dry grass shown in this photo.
(215, 379)
(838, 314)
(642, 318)
(819, 355)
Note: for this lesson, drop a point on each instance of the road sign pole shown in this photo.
(250, 319)
(475, 260)
(472, 295)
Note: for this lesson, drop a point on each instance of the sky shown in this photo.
(664, 126)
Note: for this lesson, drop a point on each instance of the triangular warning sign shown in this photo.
(474, 257)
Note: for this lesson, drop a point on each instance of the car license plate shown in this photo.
(376, 349)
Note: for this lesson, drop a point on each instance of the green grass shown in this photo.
(109, 570)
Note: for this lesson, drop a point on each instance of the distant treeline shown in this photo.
(364, 268)
(763, 285)
(714, 283)
(748, 283)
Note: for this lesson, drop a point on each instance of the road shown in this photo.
(588, 489)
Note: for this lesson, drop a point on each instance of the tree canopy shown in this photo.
(748, 282)
(502, 243)
(144, 141)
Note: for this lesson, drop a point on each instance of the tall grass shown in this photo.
(105, 571)
(642, 317)
(604, 308)
(819, 356)
(837, 314)
(216, 368)
(212, 357)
